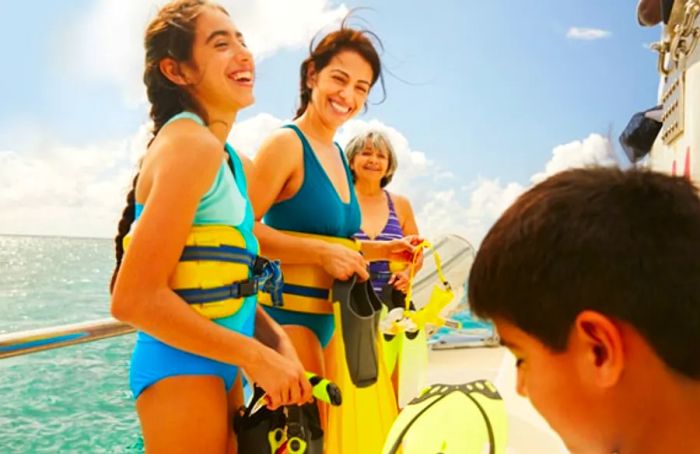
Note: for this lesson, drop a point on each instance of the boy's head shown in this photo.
(593, 280)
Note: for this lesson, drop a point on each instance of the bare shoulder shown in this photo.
(185, 148)
(188, 137)
(283, 144)
(401, 202)
(246, 162)
(404, 211)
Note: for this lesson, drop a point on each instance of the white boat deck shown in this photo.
(528, 431)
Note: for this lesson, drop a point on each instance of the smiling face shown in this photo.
(340, 89)
(222, 70)
(371, 164)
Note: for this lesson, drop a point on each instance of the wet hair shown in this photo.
(622, 243)
(377, 140)
(169, 35)
(343, 39)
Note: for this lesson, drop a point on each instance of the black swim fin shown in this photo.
(359, 319)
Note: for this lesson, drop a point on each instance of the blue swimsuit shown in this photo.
(315, 208)
(225, 203)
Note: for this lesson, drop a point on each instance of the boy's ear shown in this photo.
(171, 70)
(600, 340)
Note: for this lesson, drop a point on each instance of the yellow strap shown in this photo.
(438, 267)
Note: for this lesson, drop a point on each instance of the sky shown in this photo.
(483, 99)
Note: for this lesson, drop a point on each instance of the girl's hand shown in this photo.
(282, 378)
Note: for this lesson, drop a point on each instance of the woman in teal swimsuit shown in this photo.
(198, 75)
(302, 184)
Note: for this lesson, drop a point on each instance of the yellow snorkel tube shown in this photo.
(429, 314)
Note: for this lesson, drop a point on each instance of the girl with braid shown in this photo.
(192, 184)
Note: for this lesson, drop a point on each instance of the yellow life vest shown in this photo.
(216, 271)
(307, 287)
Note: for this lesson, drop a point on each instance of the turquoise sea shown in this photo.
(74, 399)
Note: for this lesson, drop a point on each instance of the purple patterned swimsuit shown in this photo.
(379, 271)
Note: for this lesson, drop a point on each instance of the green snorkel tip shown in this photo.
(325, 390)
(336, 397)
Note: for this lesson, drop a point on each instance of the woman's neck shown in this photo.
(314, 127)
(368, 189)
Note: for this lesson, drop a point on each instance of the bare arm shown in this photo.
(406, 216)
(142, 296)
(407, 220)
(270, 333)
(278, 160)
(267, 330)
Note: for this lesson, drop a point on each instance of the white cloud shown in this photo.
(439, 205)
(68, 191)
(59, 190)
(106, 42)
(593, 150)
(247, 136)
(270, 25)
(587, 34)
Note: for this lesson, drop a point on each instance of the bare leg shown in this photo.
(184, 414)
(311, 355)
(235, 401)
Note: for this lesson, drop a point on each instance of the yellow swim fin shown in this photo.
(413, 366)
(362, 423)
(451, 419)
(406, 343)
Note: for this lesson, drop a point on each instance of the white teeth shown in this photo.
(339, 107)
(243, 75)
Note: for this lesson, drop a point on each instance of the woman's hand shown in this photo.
(402, 250)
(282, 378)
(400, 280)
(341, 262)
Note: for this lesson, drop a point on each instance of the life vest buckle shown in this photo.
(259, 265)
(245, 288)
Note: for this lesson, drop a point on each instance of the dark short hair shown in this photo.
(623, 243)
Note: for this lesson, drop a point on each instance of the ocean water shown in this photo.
(74, 399)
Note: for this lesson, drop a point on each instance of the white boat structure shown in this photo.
(677, 147)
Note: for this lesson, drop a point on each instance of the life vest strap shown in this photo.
(309, 292)
(222, 253)
(236, 290)
(266, 275)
